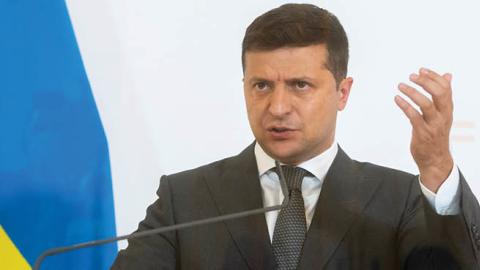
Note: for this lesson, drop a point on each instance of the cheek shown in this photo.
(255, 109)
(319, 116)
(254, 116)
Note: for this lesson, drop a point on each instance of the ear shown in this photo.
(343, 92)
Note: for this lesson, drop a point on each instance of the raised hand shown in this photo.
(430, 127)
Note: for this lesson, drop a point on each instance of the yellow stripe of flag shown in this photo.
(10, 257)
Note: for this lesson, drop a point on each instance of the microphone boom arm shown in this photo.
(57, 250)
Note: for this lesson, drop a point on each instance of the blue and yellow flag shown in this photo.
(55, 183)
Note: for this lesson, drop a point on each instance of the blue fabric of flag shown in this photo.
(55, 182)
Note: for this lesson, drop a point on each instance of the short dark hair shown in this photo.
(299, 25)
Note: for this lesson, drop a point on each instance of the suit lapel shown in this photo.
(345, 193)
(238, 189)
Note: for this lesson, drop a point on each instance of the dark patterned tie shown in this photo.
(291, 228)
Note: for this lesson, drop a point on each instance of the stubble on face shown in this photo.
(292, 101)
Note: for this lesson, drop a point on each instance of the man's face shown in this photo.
(292, 101)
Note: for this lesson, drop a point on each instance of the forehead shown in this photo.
(294, 61)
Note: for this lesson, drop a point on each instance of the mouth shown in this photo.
(279, 132)
(279, 129)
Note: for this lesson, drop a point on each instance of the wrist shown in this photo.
(433, 176)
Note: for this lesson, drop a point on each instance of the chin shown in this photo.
(283, 153)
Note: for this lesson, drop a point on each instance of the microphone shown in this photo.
(58, 250)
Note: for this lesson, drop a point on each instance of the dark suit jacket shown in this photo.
(367, 217)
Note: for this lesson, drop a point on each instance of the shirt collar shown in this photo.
(318, 165)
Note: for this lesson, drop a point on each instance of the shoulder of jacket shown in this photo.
(390, 174)
(198, 172)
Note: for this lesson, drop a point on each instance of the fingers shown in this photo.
(412, 114)
(426, 105)
(436, 113)
(432, 75)
(448, 77)
(439, 87)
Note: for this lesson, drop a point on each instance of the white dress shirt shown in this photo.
(445, 201)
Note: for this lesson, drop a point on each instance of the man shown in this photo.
(342, 214)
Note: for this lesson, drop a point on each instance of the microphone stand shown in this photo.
(57, 250)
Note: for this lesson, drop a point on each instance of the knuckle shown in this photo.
(443, 93)
(444, 83)
(428, 106)
(411, 112)
(409, 90)
(420, 80)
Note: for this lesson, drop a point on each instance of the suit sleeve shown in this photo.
(471, 216)
(431, 241)
(157, 251)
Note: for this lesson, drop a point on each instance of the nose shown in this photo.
(280, 102)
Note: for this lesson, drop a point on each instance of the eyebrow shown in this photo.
(291, 80)
(257, 79)
(304, 78)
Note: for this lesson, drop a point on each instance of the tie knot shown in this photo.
(293, 176)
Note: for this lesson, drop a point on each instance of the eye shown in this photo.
(302, 85)
(262, 86)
